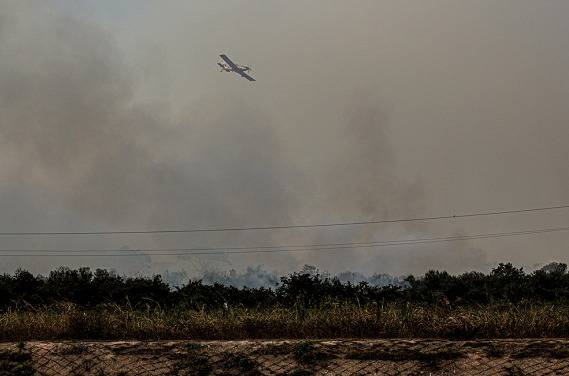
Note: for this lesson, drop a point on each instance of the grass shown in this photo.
(73, 349)
(300, 372)
(542, 350)
(193, 362)
(404, 354)
(16, 363)
(494, 351)
(431, 359)
(306, 352)
(245, 365)
(343, 321)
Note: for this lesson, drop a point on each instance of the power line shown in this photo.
(274, 249)
(386, 242)
(292, 226)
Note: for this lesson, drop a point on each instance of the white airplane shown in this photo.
(232, 67)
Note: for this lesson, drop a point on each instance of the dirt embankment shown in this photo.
(329, 357)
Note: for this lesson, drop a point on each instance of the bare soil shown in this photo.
(282, 357)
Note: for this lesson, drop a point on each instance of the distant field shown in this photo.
(335, 321)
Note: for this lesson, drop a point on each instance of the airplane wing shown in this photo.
(229, 62)
(245, 75)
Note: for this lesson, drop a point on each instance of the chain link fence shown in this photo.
(334, 357)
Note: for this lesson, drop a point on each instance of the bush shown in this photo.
(505, 284)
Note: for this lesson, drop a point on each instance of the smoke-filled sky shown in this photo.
(114, 116)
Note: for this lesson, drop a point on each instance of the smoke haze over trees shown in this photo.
(307, 288)
(255, 277)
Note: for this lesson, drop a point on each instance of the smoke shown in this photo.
(258, 276)
(118, 120)
(253, 277)
(71, 126)
(71, 130)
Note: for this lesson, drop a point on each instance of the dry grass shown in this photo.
(345, 321)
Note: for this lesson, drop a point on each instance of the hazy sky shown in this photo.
(114, 116)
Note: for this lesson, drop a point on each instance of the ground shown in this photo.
(281, 357)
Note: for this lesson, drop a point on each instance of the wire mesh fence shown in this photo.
(334, 357)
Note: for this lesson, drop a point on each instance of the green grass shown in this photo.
(343, 321)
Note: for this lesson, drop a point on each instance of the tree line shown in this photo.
(505, 284)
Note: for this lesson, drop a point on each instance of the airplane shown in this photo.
(232, 67)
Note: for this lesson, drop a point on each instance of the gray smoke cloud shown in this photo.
(71, 130)
(114, 117)
(256, 277)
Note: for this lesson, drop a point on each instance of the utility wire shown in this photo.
(275, 249)
(292, 226)
(386, 242)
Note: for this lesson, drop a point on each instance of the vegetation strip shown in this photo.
(80, 304)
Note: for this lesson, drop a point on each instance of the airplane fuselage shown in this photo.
(230, 66)
(227, 68)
